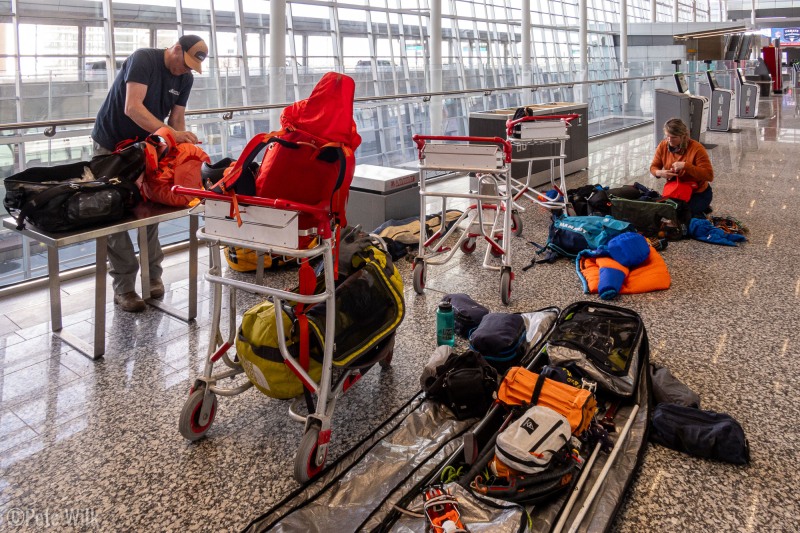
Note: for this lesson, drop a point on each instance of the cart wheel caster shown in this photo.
(190, 424)
(305, 462)
(419, 277)
(516, 223)
(505, 286)
(494, 250)
(469, 245)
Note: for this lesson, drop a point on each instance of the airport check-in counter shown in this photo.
(493, 124)
(692, 110)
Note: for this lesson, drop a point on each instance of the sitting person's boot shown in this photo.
(130, 301)
(156, 288)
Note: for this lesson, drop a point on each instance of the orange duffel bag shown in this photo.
(523, 387)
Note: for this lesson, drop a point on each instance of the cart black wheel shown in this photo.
(305, 462)
(516, 223)
(469, 245)
(419, 277)
(505, 286)
(190, 425)
(386, 362)
(493, 250)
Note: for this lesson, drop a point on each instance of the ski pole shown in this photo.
(577, 490)
(596, 488)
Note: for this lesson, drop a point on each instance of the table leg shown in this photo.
(101, 255)
(144, 262)
(144, 265)
(194, 225)
(55, 288)
(99, 348)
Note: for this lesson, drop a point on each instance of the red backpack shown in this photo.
(311, 160)
(178, 164)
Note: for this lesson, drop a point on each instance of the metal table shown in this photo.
(143, 215)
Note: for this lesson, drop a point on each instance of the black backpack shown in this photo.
(465, 383)
(589, 200)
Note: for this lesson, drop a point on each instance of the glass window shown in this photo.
(166, 38)
(227, 52)
(320, 45)
(356, 49)
(352, 14)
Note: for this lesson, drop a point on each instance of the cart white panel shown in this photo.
(543, 129)
(263, 225)
(479, 157)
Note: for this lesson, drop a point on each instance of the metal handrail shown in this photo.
(228, 112)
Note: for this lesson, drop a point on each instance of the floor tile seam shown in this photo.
(110, 311)
(47, 425)
(10, 404)
(66, 324)
(46, 356)
(111, 336)
(17, 326)
(21, 420)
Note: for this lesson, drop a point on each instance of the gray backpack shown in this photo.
(529, 443)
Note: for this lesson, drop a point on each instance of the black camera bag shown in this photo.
(465, 383)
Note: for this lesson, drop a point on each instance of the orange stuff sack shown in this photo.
(179, 164)
(519, 387)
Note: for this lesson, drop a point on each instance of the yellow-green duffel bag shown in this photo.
(257, 347)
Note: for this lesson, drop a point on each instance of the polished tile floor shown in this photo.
(95, 445)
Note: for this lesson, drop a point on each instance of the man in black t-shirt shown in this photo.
(152, 87)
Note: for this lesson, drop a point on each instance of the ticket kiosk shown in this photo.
(721, 105)
(747, 96)
(699, 106)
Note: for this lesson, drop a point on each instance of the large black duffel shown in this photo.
(76, 195)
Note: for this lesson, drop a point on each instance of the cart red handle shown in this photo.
(504, 144)
(566, 118)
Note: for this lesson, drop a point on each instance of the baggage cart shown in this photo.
(272, 226)
(489, 218)
(547, 131)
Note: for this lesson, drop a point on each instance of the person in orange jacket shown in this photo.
(680, 158)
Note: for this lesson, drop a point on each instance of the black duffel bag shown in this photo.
(76, 195)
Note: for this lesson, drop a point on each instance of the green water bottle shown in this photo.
(445, 324)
